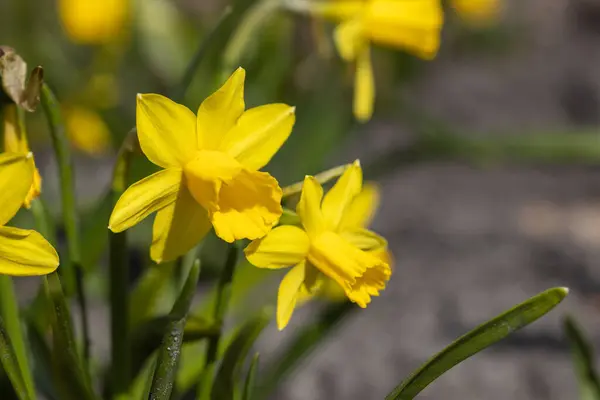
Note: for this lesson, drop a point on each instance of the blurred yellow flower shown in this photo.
(15, 141)
(87, 131)
(413, 25)
(211, 172)
(477, 11)
(332, 245)
(22, 252)
(93, 21)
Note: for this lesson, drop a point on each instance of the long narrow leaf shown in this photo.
(235, 355)
(10, 364)
(170, 351)
(583, 360)
(250, 382)
(478, 339)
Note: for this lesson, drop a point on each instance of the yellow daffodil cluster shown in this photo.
(211, 179)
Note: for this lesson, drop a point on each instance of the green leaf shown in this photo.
(170, 350)
(70, 377)
(478, 339)
(250, 383)
(8, 357)
(9, 311)
(235, 355)
(583, 360)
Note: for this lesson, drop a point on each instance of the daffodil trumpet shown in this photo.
(210, 176)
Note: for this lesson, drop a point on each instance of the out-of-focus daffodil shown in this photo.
(87, 130)
(22, 252)
(93, 21)
(413, 25)
(15, 141)
(477, 11)
(332, 245)
(210, 175)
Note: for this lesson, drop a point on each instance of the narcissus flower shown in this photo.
(93, 21)
(477, 11)
(22, 252)
(15, 141)
(331, 243)
(87, 130)
(413, 25)
(210, 175)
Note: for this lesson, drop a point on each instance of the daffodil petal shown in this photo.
(25, 253)
(258, 134)
(341, 195)
(282, 247)
(364, 239)
(220, 111)
(16, 176)
(360, 212)
(178, 227)
(249, 206)
(411, 24)
(349, 39)
(166, 130)
(145, 197)
(364, 86)
(309, 206)
(287, 295)
(35, 189)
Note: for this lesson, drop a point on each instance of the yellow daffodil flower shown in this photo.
(477, 11)
(15, 141)
(331, 243)
(22, 252)
(413, 25)
(93, 21)
(359, 214)
(210, 175)
(87, 131)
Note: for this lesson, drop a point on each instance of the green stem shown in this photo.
(170, 350)
(220, 309)
(119, 279)
(179, 90)
(43, 223)
(10, 364)
(9, 311)
(73, 271)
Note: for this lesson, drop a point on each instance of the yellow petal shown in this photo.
(220, 111)
(284, 246)
(288, 294)
(206, 174)
(35, 189)
(309, 206)
(166, 130)
(361, 210)
(93, 21)
(341, 195)
(340, 10)
(349, 39)
(14, 140)
(178, 227)
(364, 86)
(411, 24)
(360, 274)
(258, 134)
(16, 176)
(144, 197)
(25, 253)
(364, 239)
(248, 208)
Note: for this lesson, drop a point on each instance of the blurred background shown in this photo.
(487, 158)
